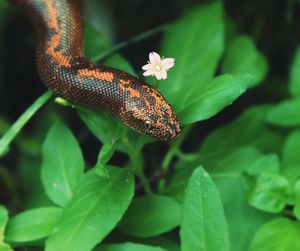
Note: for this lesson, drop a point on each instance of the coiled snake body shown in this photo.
(64, 69)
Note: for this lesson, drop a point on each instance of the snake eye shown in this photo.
(148, 124)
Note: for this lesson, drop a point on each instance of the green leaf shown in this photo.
(280, 234)
(203, 224)
(296, 209)
(3, 221)
(104, 127)
(127, 247)
(33, 224)
(151, 215)
(295, 75)
(96, 208)
(63, 164)
(202, 101)
(291, 149)
(104, 156)
(268, 163)
(199, 33)
(286, 113)
(271, 193)
(120, 63)
(243, 57)
(255, 133)
(227, 173)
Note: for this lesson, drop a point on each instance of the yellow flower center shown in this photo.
(158, 67)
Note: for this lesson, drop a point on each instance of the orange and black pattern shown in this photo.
(64, 69)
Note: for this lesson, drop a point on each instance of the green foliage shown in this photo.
(243, 57)
(295, 75)
(3, 222)
(63, 164)
(278, 234)
(98, 185)
(203, 224)
(33, 224)
(151, 215)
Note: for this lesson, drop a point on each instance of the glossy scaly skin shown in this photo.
(64, 69)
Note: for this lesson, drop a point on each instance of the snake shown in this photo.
(65, 70)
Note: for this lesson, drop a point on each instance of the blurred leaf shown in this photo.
(94, 42)
(3, 222)
(63, 164)
(127, 247)
(99, 16)
(204, 100)
(96, 208)
(296, 189)
(203, 224)
(151, 215)
(266, 164)
(33, 224)
(243, 57)
(280, 234)
(291, 149)
(196, 43)
(286, 113)
(255, 133)
(34, 194)
(295, 75)
(271, 193)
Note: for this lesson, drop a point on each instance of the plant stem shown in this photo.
(22, 120)
(130, 41)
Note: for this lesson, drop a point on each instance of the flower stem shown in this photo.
(130, 41)
(22, 120)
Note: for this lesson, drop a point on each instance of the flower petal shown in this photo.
(147, 67)
(163, 74)
(158, 75)
(154, 58)
(149, 73)
(167, 63)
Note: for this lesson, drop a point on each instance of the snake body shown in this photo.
(64, 69)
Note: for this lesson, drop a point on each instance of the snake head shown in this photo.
(149, 113)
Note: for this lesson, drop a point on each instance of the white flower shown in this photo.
(158, 67)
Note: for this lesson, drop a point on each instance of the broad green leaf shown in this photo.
(63, 165)
(97, 206)
(196, 43)
(127, 247)
(280, 234)
(291, 149)
(268, 163)
(151, 215)
(203, 224)
(295, 75)
(33, 224)
(271, 193)
(204, 100)
(254, 132)
(3, 222)
(243, 57)
(286, 113)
